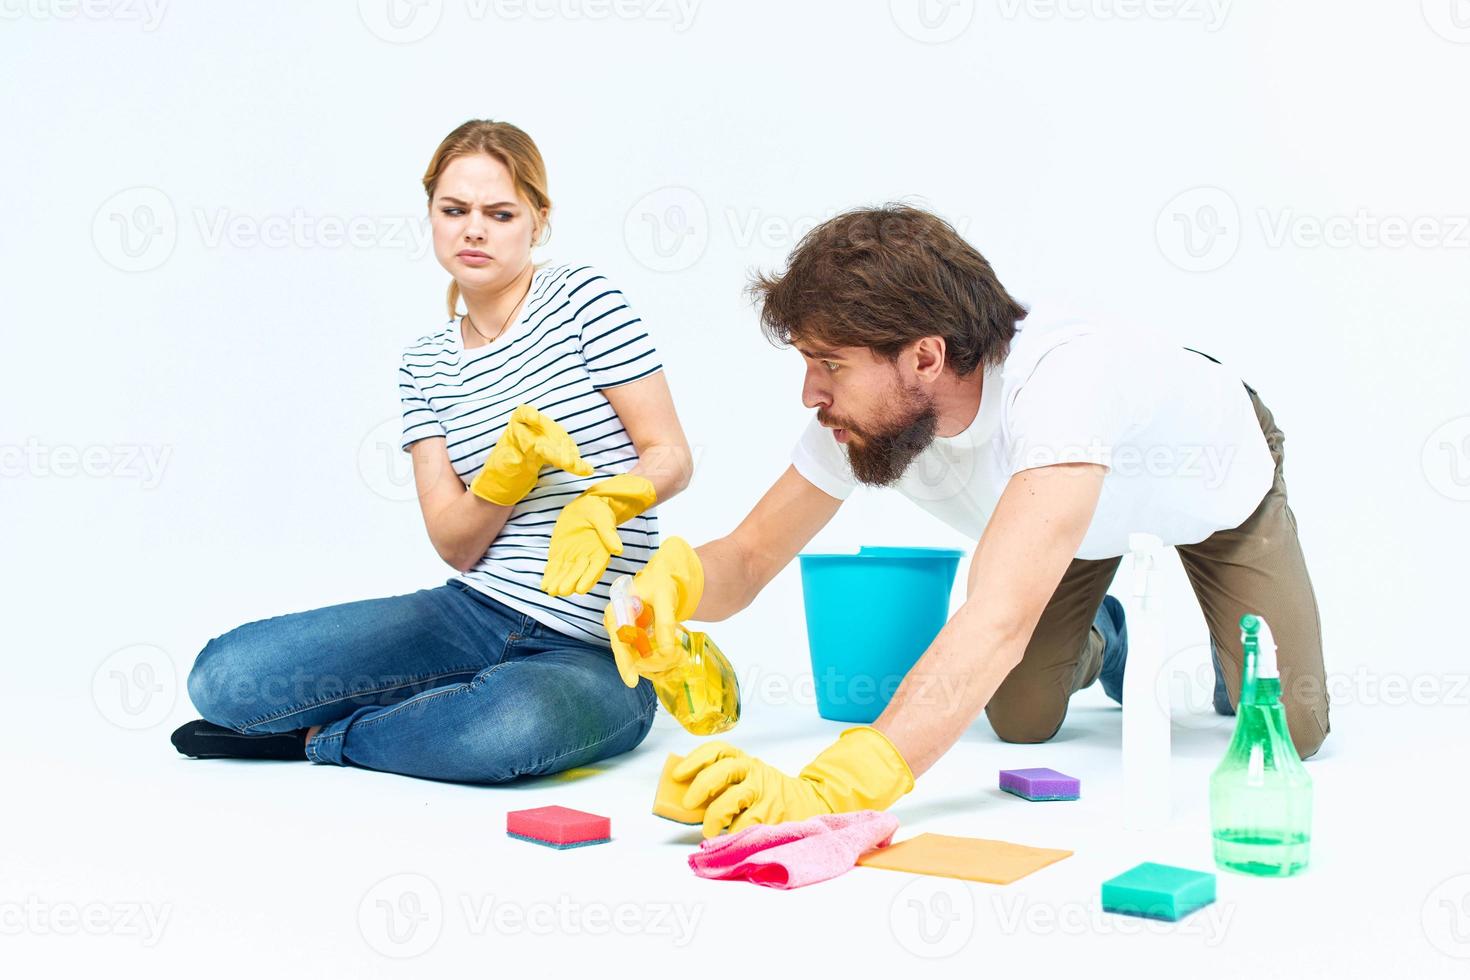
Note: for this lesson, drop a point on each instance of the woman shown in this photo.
(542, 431)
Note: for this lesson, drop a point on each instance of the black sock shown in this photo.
(203, 740)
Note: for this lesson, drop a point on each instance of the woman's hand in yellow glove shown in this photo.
(586, 537)
(530, 441)
(860, 771)
(671, 585)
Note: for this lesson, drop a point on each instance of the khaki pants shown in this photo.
(1257, 567)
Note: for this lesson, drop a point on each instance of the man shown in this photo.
(1048, 440)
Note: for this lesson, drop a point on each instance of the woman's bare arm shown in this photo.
(646, 409)
(460, 524)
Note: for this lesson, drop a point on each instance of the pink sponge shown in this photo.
(558, 826)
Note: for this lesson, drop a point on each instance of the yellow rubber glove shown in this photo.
(860, 771)
(530, 441)
(671, 585)
(586, 537)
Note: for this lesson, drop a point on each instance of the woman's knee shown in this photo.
(209, 680)
(538, 729)
(237, 681)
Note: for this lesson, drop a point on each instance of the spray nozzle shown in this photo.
(1254, 633)
(631, 615)
(1145, 548)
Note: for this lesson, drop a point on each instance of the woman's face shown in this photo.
(483, 228)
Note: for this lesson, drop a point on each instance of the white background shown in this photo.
(198, 423)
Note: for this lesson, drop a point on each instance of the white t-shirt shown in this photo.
(1184, 450)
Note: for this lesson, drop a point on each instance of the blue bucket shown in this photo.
(869, 617)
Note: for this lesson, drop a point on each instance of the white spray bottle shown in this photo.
(1145, 714)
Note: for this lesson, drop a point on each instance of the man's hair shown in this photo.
(882, 278)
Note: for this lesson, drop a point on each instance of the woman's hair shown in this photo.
(506, 143)
(882, 278)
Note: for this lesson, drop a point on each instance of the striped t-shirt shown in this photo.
(575, 337)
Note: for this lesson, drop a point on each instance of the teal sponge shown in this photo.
(1158, 891)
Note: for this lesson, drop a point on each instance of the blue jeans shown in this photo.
(442, 683)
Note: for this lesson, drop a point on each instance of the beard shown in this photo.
(882, 451)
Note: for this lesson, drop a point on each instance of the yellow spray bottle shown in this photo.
(700, 690)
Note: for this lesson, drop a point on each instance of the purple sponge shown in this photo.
(1040, 784)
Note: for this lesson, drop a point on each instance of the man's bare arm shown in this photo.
(1031, 538)
(739, 565)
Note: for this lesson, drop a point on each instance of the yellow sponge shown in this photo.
(972, 858)
(667, 802)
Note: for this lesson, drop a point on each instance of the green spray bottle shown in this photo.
(1260, 794)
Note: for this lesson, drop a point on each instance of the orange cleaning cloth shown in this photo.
(971, 858)
(667, 800)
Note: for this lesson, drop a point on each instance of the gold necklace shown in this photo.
(513, 309)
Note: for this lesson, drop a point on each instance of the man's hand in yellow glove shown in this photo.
(586, 537)
(530, 441)
(860, 771)
(671, 585)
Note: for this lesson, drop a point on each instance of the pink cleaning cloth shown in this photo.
(796, 853)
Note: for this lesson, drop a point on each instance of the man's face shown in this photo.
(883, 420)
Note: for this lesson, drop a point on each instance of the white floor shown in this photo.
(124, 859)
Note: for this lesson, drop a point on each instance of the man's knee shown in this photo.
(1305, 699)
(1028, 723)
(1309, 728)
